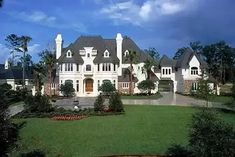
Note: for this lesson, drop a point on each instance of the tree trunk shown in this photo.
(23, 83)
(50, 80)
(130, 87)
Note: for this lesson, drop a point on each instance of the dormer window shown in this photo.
(126, 53)
(194, 71)
(106, 54)
(69, 54)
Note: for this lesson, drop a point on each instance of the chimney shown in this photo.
(119, 52)
(59, 44)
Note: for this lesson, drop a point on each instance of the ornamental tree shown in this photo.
(146, 85)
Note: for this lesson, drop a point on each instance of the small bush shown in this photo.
(107, 88)
(178, 151)
(37, 103)
(67, 89)
(115, 103)
(34, 153)
(99, 104)
(146, 86)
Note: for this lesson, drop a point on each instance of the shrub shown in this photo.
(210, 136)
(34, 153)
(99, 104)
(37, 103)
(67, 89)
(115, 103)
(178, 151)
(146, 85)
(8, 131)
(107, 88)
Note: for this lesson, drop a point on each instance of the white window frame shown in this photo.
(106, 54)
(69, 54)
(194, 71)
(125, 85)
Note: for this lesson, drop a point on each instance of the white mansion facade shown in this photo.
(91, 60)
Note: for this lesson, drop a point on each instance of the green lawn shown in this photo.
(141, 130)
(222, 99)
(156, 96)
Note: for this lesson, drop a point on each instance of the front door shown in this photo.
(89, 85)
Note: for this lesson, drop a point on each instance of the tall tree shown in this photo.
(132, 58)
(39, 71)
(148, 67)
(221, 59)
(153, 53)
(19, 44)
(49, 59)
(194, 46)
(1, 2)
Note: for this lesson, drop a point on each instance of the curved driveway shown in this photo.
(169, 98)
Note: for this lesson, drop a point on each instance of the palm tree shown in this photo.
(49, 60)
(148, 67)
(132, 58)
(39, 74)
(19, 44)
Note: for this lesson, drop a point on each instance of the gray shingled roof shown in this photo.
(129, 44)
(100, 44)
(16, 73)
(125, 76)
(76, 58)
(166, 62)
(183, 61)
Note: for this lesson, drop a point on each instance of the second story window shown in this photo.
(88, 55)
(166, 71)
(77, 67)
(88, 67)
(106, 67)
(98, 68)
(68, 67)
(114, 67)
(194, 71)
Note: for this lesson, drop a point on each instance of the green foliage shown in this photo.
(67, 89)
(153, 53)
(146, 85)
(204, 91)
(4, 88)
(220, 58)
(115, 103)
(8, 131)
(179, 52)
(176, 150)
(34, 153)
(37, 103)
(233, 91)
(99, 104)
(210, 136)
(107, 88)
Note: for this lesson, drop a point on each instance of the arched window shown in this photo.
(88, 67)
(126, 53)
(106, 54)
(194, 71)
(88, 55)
(69, 54)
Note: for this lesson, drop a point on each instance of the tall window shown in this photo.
(61, 67)
(98, 83)
(114, 67)
(98, 67)
(114, 83)
(106, 67)
(69, 55)
(194, 86)
(194, 71)
(68, 67)
(125, 85)
(88, 55)
(166, 71)
(77, 67)
(77, 86)
(88, 67)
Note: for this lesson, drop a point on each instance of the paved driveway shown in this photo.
(169, 98)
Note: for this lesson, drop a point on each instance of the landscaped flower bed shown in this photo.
(69, 117)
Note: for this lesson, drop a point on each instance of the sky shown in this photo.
(163, 24)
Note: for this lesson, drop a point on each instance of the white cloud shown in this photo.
(44, 19)
(4, 53)
(150, 10)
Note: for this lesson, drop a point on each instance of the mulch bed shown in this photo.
(69, 117)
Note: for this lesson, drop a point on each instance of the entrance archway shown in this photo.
(89, 85)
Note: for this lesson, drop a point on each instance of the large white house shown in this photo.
(91, 60)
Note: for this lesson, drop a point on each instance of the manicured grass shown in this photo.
(222, 99)
(156, 96)
(141, 130)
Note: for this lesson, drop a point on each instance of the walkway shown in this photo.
(15, 109)
(169, 98)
